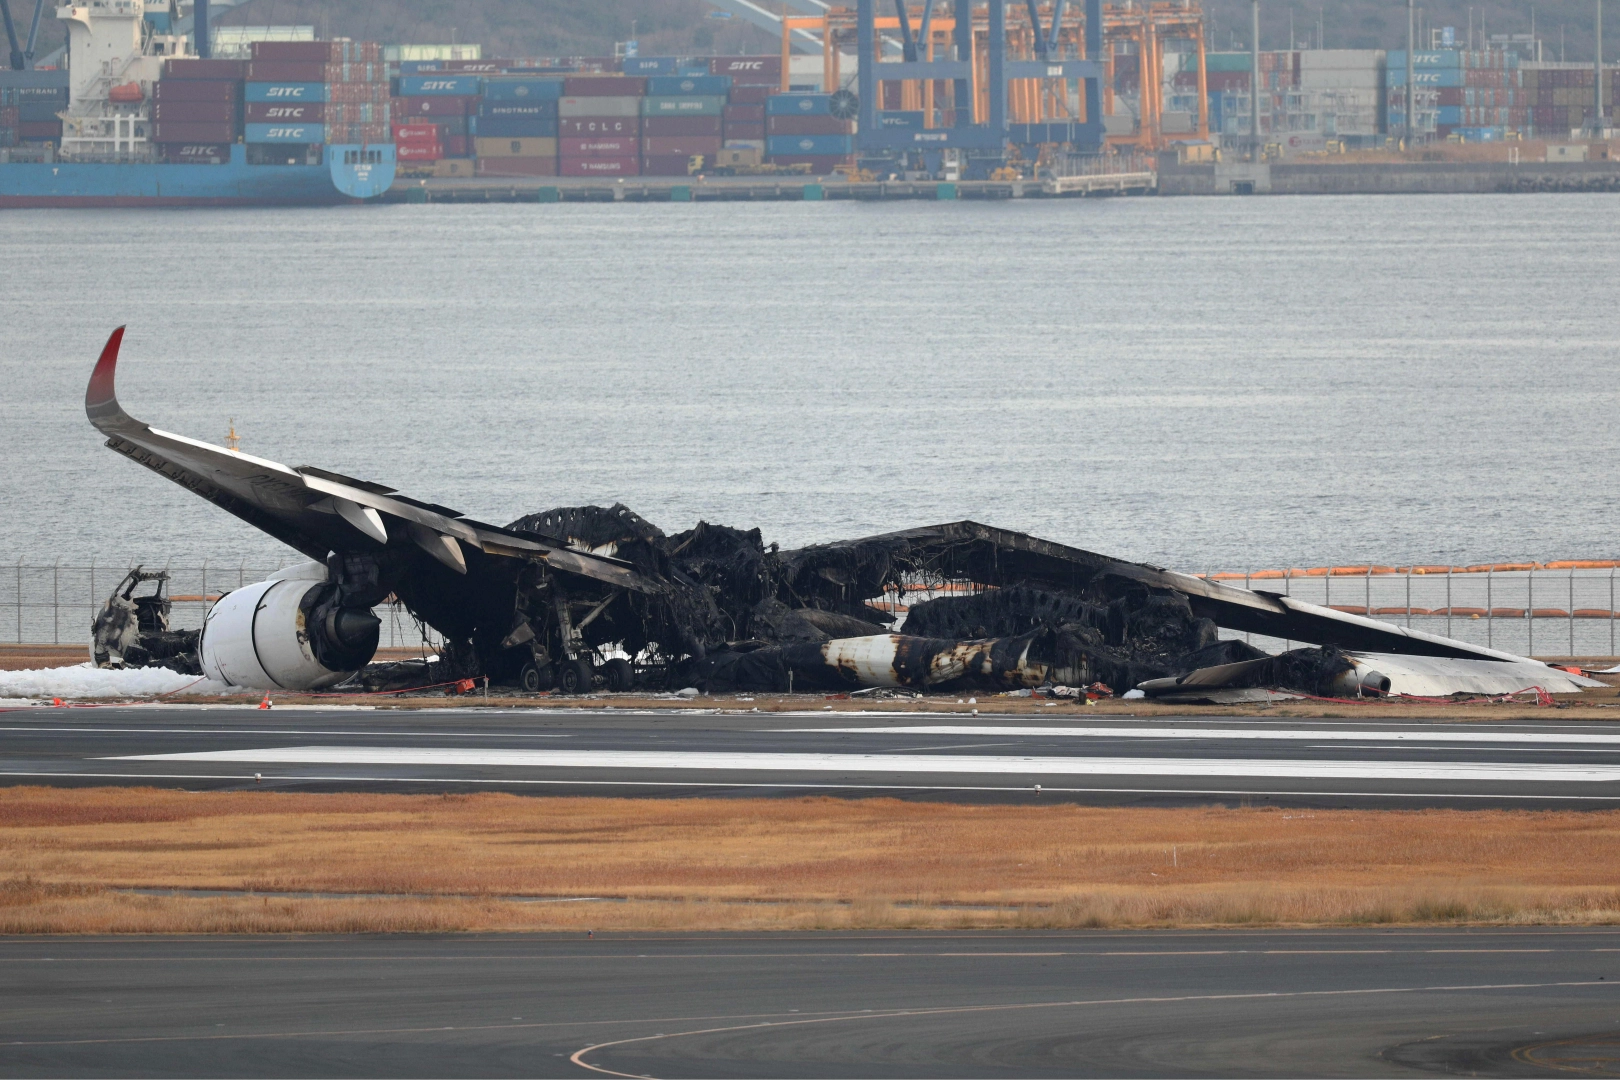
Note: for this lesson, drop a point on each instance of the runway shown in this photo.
(1262, 1003)
(1395, 762)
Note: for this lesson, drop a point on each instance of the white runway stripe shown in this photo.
(903, 763)
(1262, 734)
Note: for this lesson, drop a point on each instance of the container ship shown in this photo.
(137, 120)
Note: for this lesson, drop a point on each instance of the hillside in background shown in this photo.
(590, 27)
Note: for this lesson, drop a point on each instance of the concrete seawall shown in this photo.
(1399, 178)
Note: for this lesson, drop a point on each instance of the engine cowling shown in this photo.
(286, 633)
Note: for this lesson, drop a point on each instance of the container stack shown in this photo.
(599, 126)
(801, 130)
(682, 119)
(8, 119)
(301, 95)
(1559, 97)
(1477, 96)
(515, 131)
(28, 114)
(434, 117)
(197, 110)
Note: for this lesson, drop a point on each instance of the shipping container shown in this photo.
(599, 166)
(807, 125)
(35, 130)
(1436, 77)
(598, 106)
(809, 145)
(672, 145)
(670, 165)
(195, 112)
(820, 164)
(681, 125)
(755, 145)
(749, 95)
(441, 85)
(749, 70)
(453, 125)
(518, 166)
(611, 86)
(191, 68)
(490, 148)
(287, 71)
(473, 67)
(37, 111)
(416, 134)
(514, 127)
(372, 93)
(533, 110)
(745, 132)
(284, 92)
(689, 85)
(457, 146)
(599, 125)
(650, 65)
(285, 133)
(302, 52)
(886, 121)
(197, 90)
(265, 112)
(414, 151)
(357, 133)
(798, 105)
(710, 105)
(509, 88)
(172, 131)
(746, 114)
(437, 106)
(598, 146)
(196, 153)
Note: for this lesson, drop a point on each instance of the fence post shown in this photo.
(1611, 611)
(1490, 608)
(1409, 598)
(1448, 601)
(56, 602)
(1288, 590)
(1248, 636)
(1530, 612)
(19, 601)
(203, 603)
(1368, 610)
(1572, 611)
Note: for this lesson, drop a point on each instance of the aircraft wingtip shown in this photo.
(100, 396)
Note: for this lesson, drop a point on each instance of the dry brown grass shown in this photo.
(450, 862)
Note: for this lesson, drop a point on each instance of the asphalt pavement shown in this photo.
(1098, 1003)
(1390, 762)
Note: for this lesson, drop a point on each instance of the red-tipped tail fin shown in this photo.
(100, 398)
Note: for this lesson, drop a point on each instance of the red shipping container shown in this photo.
(747, 132)
(807, 125)
(271, 112)
(604, 86)
(285, 71)
(517, 166)
(169, 132)
(598, 146)
(820, 165)
(416, 133)
(681, 125)
(749, 70)
(195, 112)
(39, 129)
(599, 125)
(196, 153)
(749, 95)
(418, 151)
(664, 165)
(457, 146)
(438, 106)
(303, 52)
(672, 145)
(191, 68)
(197, 90)
(748, 113)
(599, 166)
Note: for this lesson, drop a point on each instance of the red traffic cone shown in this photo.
(265, 704)
(56, 701)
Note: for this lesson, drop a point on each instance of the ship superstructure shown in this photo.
(115, 57)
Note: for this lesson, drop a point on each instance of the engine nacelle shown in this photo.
(286, 633)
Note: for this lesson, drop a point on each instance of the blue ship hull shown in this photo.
(351, 173)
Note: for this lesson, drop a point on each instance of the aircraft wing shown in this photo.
(316, 511)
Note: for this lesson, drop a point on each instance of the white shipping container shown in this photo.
(1341, 79)
(1339, 59)
(598, 106)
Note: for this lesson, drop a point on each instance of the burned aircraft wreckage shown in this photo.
(576, 598)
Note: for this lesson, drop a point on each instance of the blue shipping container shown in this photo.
(514, 127)
(651, 65)
(791, 145)
(285, 133)
(447, 85)
(683, 85)
(271, 91)
(798, 105)
(693, 72)
(503, 89)
(416, 67)
(536, 109)
(1432, 77)
(900, 121)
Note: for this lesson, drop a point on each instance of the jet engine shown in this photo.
(287, 633)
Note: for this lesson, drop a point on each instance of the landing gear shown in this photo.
(535, 678)
(576, 677)
(619, 674)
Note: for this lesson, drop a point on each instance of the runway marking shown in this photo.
(1326, 734)
(981, 764)
(577, 1057)
(784, 785)
(8, 729)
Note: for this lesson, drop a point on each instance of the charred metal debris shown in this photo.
(133, 631)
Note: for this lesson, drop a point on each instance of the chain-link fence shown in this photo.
(56, 604)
